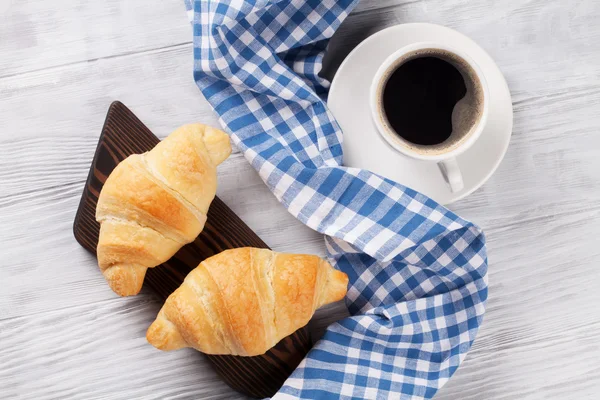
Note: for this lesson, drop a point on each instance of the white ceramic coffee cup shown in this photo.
(446, 157)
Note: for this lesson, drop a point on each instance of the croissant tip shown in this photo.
(341, 280)
(125, 280)
(164, 336)
(153, 336)
(337, 287)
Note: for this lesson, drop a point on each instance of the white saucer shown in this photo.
(364, 147)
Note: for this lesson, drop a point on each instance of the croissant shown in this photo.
(154, 203)
(243, 301)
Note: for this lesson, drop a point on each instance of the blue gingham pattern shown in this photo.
(417, 271)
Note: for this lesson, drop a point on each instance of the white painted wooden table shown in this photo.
(64, 334)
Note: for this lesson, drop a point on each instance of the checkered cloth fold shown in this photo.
(417, 271)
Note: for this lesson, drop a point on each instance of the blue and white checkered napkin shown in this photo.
(417, 271)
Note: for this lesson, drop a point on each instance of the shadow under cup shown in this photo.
(429, 102)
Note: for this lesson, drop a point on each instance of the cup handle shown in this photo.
(452, 175)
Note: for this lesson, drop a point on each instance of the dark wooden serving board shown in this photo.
(124, 134)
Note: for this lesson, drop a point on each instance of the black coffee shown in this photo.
(421, 94)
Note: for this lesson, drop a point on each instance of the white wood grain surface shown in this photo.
(64, 334)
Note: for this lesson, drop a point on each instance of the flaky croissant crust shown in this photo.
(154, 203)
(243, 301)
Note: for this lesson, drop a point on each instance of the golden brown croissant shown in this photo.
(154, 203)
(243, 301)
